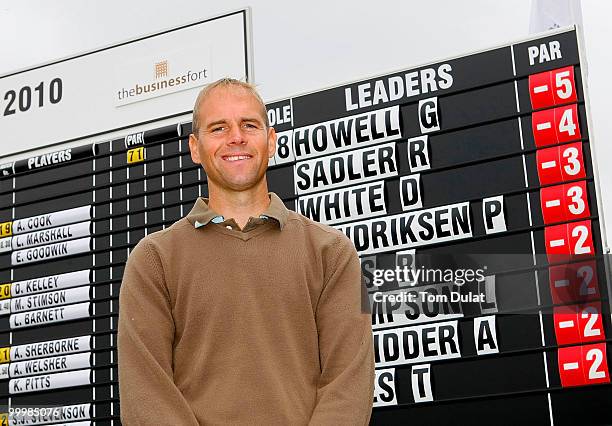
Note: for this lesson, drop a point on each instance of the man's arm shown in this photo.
(147, 391)
(346, 385)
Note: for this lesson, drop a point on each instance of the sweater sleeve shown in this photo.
(145, 338)
(346, 351)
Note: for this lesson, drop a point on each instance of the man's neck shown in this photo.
(239, 205)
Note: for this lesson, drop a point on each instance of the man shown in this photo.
(243, 312)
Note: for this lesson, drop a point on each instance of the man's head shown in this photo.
(225, 83)
(231, 135)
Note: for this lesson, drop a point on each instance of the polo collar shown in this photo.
(200, 215)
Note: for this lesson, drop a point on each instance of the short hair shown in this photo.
(225, 82)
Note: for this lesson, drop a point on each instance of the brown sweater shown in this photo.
(259, 326)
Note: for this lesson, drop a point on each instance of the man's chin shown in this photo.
(241, 185)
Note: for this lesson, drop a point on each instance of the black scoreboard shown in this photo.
(479, 163)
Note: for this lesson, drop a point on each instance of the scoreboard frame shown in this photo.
(449, 331)
(600, 252)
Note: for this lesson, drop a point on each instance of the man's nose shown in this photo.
(236, 135)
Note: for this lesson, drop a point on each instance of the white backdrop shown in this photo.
(124, 83)
(305, 46)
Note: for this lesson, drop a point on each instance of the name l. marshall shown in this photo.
(426, 297)
(48, 235)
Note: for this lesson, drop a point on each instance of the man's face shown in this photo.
(233, 144)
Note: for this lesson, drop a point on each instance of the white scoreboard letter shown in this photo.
(421, 383)
(493, 214)
(429, 118)
(485, 335)
(384, 387)
(406, 259)
(487, 287)
(410, 192)
(418, 153)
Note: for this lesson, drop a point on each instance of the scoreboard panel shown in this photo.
(476, 170)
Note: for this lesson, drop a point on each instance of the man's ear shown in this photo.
(271, 142)
(193, 147)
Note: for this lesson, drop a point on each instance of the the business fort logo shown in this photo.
(153, 77)
(161, 69)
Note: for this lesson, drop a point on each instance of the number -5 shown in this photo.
(563, 84)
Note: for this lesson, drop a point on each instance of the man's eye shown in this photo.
(217, 129)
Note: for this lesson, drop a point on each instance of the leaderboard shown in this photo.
(69, 219)
(480, 163)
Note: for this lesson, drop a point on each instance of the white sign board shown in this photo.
(153, 77)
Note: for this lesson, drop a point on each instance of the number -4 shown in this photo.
(566, 124)
(563, 84)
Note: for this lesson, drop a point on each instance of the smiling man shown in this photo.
(243, 312)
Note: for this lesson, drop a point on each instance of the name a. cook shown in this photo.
(424, 296)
